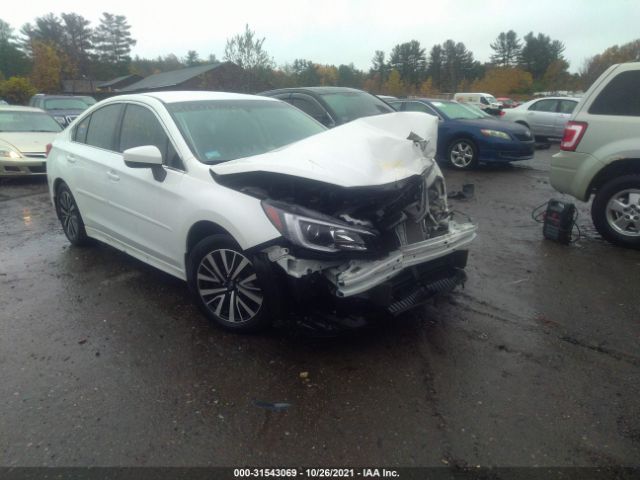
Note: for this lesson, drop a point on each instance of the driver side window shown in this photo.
(141, 127)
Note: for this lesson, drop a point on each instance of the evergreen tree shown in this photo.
(113, 41)
(507, 49)
(410, 61)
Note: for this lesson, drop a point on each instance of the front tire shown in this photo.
(616, 211)
(70, 218)
(462, 154)
(226, 285)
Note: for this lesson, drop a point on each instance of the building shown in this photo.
(225, 76)
(118, 83)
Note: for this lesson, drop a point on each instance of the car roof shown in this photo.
(575, 99)
(190, 96)
(317, 90)
(18, 108)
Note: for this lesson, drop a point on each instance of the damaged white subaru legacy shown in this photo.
(262, 210)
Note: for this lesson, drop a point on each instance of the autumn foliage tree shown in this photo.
(504, 81)
(394, 85)
(17, 90)
(47, 68)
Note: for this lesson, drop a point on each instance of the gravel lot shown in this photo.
(104, 360)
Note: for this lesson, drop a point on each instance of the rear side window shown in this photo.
(621, 96)
(567, 106)
(419, 107)
(103, 126)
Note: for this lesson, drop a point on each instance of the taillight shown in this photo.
(502, 113)
(573, 133)
(47, 149)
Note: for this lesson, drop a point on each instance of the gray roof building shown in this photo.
(214, 76)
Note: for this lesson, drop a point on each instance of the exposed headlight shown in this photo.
(9, 153)
(61, 120)
(495, 133)
(316, 231)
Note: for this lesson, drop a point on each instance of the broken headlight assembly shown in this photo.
(315, 231)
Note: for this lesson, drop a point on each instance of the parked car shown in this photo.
(63, 108)
(387, 98)
(467, 136)
(545, 117)
(484, 101)
(332, 106)
(600, 154)
(259, 207)
(24, 135)
(506, 102)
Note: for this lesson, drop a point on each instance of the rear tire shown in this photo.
(226, 285)
(616, 211)
(70, 218)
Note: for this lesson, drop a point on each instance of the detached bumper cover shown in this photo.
(361, 276)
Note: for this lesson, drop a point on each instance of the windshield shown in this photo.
(351, 105)
(457, 111)
(65, 104)
(222, 130)
(491, 99)
(476, 110)
(27, 122)
(88, 100)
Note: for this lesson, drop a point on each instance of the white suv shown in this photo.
(259, 207)
(600, 154)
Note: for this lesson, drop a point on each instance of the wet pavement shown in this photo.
(105, 361)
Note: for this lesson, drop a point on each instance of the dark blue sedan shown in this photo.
(468, 136)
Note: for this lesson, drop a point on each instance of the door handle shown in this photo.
(113, 177)
(71, 158)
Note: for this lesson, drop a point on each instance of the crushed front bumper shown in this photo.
(361, 276)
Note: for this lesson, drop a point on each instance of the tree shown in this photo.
(427, 88)
(349, 76)
(557, 77)
(596, 65)
(379, 67)
(77, 41)
(394, 85)
(538, 53)
(507, 49)
(457, 65)
(504, 80)
(436, 60)
(328, 74)
(17, 90)
(47, 68)
(113, 42)
(305, 73)
(410, 61)
(246, 51)
(12, 60)
(192, 59)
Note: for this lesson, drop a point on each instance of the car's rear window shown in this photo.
(348, 106)
(222, 130)
(621, 96)
(65, 104)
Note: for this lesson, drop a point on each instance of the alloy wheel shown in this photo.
(461, 155)
(623, 212)
(227, 285)
(69, 215)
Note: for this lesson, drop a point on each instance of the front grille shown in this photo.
(38, 168)
(70, 118)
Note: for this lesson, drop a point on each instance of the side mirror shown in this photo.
(146, 156)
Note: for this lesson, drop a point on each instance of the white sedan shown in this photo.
(24, 135)
(261, 209)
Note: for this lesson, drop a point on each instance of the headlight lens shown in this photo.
(323, 233)
(495, 133)
(9, 153)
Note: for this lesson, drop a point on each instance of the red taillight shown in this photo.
(47, 149)
(573, 133)
(501, 113)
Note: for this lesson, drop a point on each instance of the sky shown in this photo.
(349, 31)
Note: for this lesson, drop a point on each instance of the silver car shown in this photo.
(545, 117)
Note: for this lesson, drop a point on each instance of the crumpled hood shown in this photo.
(368, 151)
(28, 142)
